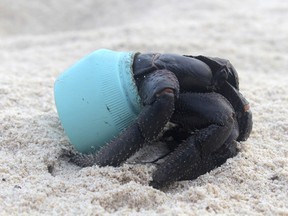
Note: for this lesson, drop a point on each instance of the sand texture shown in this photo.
(39, 39)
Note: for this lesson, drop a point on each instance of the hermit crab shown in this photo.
(199, 96)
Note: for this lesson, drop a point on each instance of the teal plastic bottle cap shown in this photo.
(97, 98)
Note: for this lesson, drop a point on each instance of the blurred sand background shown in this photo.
(39, 39)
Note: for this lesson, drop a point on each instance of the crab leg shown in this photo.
(158, 95)
(207, 148)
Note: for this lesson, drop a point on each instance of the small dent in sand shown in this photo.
(274, 177)
(51, 169)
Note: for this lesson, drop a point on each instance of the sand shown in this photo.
(39, 39)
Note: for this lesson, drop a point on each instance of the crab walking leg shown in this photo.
(210, 113)
(149, 124)
(158, 97)
(176, 164)
(114, 152)
(187, 163)
(205, 149)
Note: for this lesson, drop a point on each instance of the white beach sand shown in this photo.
(39, 39)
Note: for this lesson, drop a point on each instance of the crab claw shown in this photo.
(246, 124)
(229, 88)
(242, 109)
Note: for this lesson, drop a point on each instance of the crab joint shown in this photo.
(166, 90)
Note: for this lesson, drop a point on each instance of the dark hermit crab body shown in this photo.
(200, 95)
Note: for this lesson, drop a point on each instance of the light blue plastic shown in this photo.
(97, 98)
